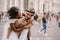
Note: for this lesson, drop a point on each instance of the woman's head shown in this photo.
(13, 12)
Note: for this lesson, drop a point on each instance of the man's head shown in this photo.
(31, 12)
(44, 13)
(27, 15)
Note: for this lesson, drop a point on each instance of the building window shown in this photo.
(13, 2)
(25, 4)
(19, 4)
(8, 4)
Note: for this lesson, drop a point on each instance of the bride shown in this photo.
(13, 35)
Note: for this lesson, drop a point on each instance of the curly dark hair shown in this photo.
(13, 12)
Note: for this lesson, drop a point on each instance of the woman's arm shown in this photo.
(14, 28)
(26, 23)
(22, 27)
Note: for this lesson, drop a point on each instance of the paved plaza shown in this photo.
(53, 31)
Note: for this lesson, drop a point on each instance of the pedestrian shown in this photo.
(0, 17)
(59, 20)
(35, 17)
(44, 23)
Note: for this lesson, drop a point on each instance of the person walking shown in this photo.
(44, 23)
(35, 17)
(59, 20)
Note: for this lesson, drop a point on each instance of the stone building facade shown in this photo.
(40, 6)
